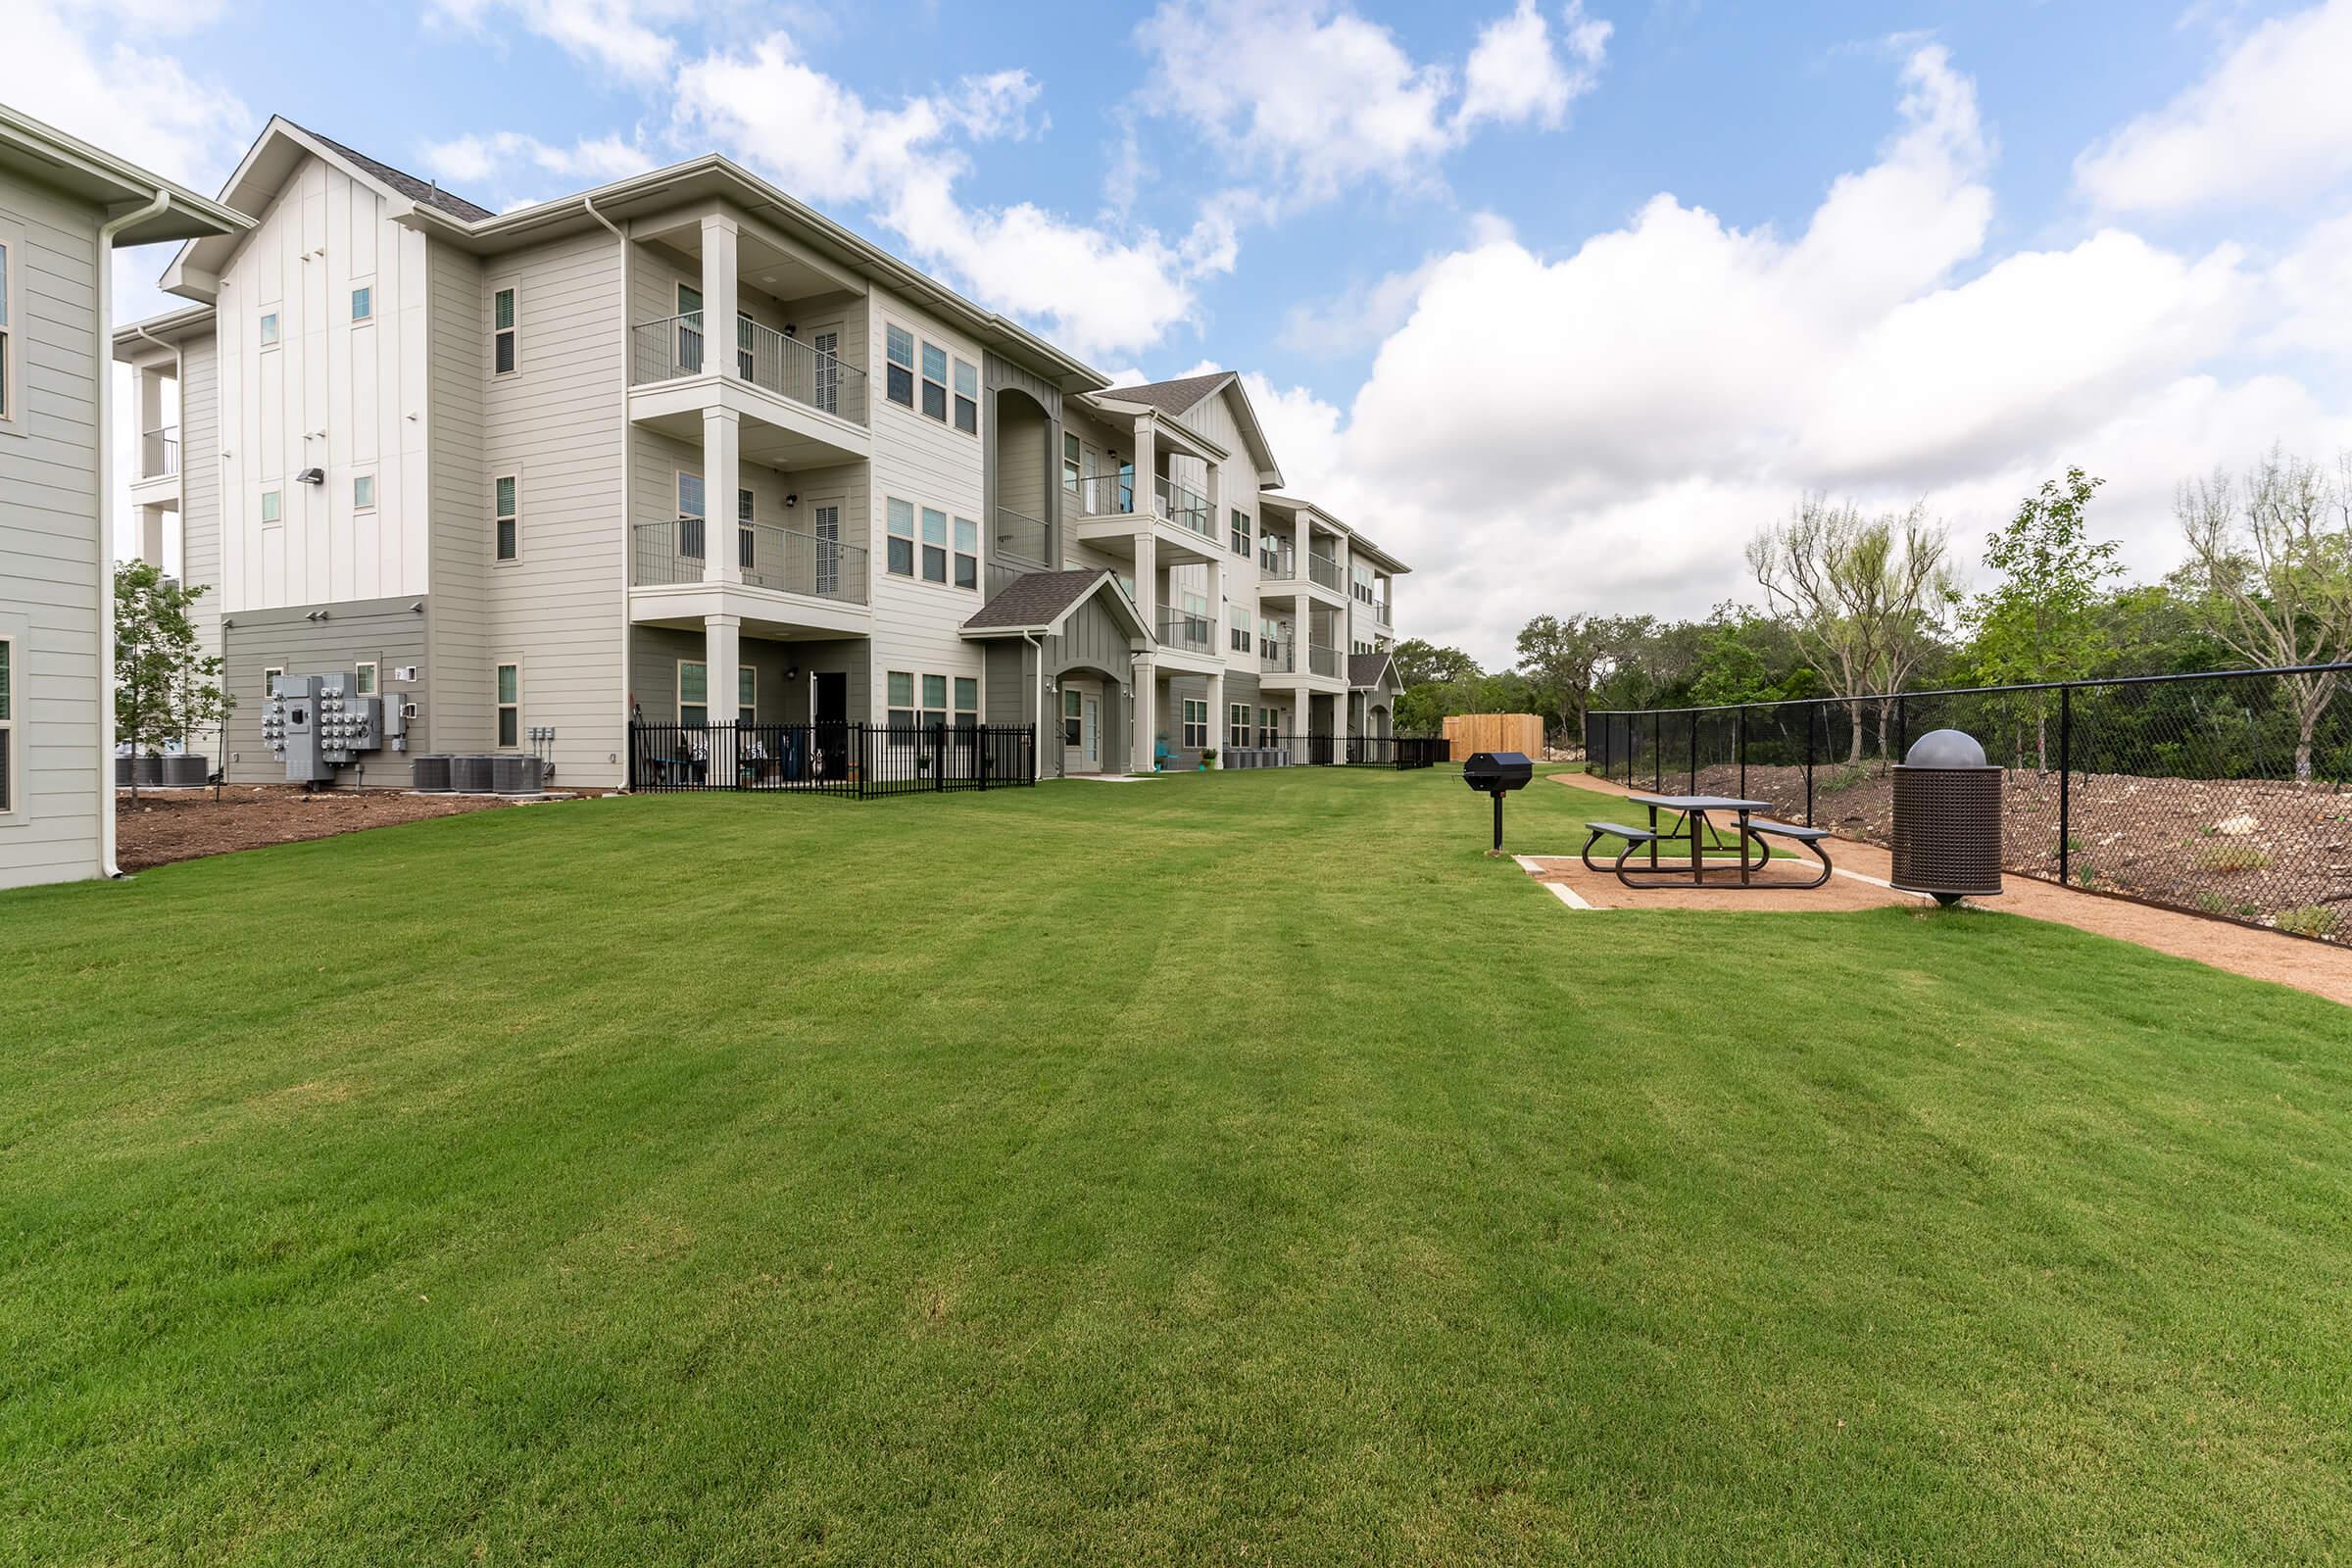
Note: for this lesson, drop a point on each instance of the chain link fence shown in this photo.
(2222, 793)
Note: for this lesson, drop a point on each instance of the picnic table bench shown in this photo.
(1753, 832)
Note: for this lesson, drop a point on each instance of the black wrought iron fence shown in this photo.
(2223, 792)
(1395, 750)
(858, 761)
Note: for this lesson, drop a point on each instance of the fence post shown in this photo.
(939, 757)
(1740, 718)
(1812, 712)
(2066, 766)
(1903, 728)
(632, 758)
(1694, 750)
(1657, 750)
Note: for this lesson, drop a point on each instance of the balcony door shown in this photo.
(826, 519)
(690, 329)
(826, 341)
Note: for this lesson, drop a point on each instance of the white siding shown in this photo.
(50, 570)
(200, 488)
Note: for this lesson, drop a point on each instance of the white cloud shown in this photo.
(61, 66)
(1090, 288)
(481, 159)
(1314, 98)
(623, 37)
(1515, 75)
(1605, 431)
(2271, 122)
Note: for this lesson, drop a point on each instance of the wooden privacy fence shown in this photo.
(1467, 734)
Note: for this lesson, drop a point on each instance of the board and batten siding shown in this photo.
(931, 464)
(200, 492)
(361, 383)
(557, 423)
(50, 568)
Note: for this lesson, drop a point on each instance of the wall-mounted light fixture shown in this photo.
(792, 499)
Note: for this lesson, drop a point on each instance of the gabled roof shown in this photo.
(1179, 397)
(1041, 604)
(1366, 669)
(425, 193)
(115, 187)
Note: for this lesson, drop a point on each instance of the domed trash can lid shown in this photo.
(1946, 748)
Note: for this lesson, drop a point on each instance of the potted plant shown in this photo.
(1208, 758)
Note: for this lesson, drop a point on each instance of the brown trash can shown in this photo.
(1948, 819)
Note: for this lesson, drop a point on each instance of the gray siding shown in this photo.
(386, 630)
(458, 675)
(655, 653)
(51, 577)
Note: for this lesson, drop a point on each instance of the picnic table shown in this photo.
(1693, 812)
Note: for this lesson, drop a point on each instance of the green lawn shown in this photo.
(1229, 1168)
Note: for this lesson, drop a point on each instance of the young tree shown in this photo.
(2274, 553)
(2040, 619)
(166, 687)
(1866, 597)
(1561, 657)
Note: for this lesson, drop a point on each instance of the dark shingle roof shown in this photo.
(1171, 397)
(1364, 670)
(409, 186)
(1038, 599)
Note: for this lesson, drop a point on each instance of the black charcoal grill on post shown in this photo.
(1496, 774)
(1948, 819)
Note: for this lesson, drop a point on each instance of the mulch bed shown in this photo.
(163, 826)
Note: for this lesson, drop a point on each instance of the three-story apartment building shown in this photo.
(523, 471)
(65, 206)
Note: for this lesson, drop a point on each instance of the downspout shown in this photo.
(106, 526)
(628, 445)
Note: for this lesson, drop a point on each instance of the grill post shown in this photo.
(2066, 768)
(1498, 822)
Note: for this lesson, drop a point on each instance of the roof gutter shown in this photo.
(105, 527)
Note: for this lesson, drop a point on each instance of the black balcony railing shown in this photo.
(857, 761)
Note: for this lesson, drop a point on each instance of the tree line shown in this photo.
(1850, 605)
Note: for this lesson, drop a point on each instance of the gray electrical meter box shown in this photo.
(317, 723)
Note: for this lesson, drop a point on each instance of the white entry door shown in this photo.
(1094, 735)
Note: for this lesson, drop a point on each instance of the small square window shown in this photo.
(362, 492)
(363, 303)
(365, 684)
(269, 329)
(271, 506)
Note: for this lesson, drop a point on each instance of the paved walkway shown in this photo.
(2321, 968)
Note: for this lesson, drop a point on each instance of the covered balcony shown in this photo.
(785, 581)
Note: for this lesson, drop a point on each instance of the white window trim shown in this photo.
(374, 485)
(954, 361)
(946, 383)
(1185, 722)
(490, 328)
(356, 284)
(496, 559)
(12, 337)
(269, 674)
(375, 684)
(498, 709)
(261, 511)
(913, 537)
(678, 704)
(915, 368)
(747, 672)
(12, 759)
(265, 313)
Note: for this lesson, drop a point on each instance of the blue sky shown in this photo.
(1562, 301)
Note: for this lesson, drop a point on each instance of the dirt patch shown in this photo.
(159, 828)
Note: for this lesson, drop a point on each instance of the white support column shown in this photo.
(722, 659)
(1302, 708)
(1146, 454)
(1143, 757)
(1147, 580)
(151, 537)
(720, 297)
(722, 470)
(1217, 737)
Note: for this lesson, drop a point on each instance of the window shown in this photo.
(967, 553)
(689, 515)
(1240, 533)
(1196, 723)
(363, 303)
(690, 331)
(8, 341)
(362, 492)
(269, 680)
(8, 725)
(897, 350)
(506, 519)
(510, 705)
(902, 704)
(502, 333)
(1237, 723)
(271, 506)
(935, 382)
(1238, 636)
(935, 548)
(747, 694)
(1073, 716)
(935, 700)
(968, 398)
(902, 539)
(1069, 462)
(968, 703)
(363, 684)
(694, 694)
(1268, 732)
(269, 329)
(746, 553)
